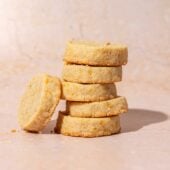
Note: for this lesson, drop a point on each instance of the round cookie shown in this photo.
(39, 102)
(89, 53)
(88, 92)
(105, 108)
(90, 74)
(87, 127)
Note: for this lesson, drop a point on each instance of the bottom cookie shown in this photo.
(87, 127)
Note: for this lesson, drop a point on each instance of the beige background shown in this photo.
(33, 34)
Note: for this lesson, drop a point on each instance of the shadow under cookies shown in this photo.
(49, 129)
(135, 119)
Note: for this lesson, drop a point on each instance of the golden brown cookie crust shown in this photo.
(88, 92)
(90, 53)
(39, 102)
(105, 108)
(91, 74)
(87, 127)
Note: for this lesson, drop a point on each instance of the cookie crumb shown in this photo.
(108, 43)
(13, 130)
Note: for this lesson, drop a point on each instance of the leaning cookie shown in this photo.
(87, 127)
(89, 53)
(38, 103)
(88, 92)
(105, 108)
(90, 74)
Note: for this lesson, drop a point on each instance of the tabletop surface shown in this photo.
(33, 35)
(142, 143)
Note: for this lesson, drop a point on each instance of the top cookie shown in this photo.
(88, 53)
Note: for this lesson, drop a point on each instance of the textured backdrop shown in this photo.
(33, 34)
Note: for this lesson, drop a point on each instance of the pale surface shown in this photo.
(32, 39)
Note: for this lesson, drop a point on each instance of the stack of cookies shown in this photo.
(92, 103)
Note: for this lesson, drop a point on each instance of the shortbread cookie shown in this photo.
(90, 74)
(87, 92)
(87, 127)
(38, 103)
(89, 53)
(105, 108)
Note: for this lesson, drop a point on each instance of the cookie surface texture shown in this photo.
(89, 53)
(105, 108)
(91, 74)
(87, 127)
(39, 102)
(88, 92)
